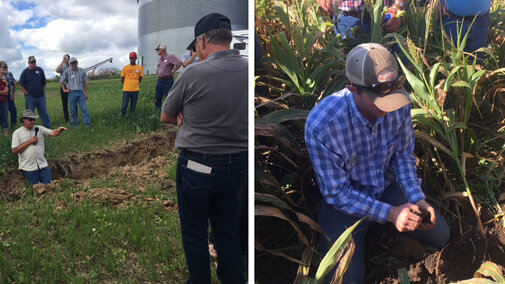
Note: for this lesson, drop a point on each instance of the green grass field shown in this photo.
(104, 106)
(54, 239)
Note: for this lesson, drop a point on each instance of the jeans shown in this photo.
(39, 176)
(334, 223)
(64, 103)
(127, 96)
(162, 89)
(211, 197)
(477, 36)
(74, 98)
(40, 104)
(343, 25)
(4, 115)
(14, 113)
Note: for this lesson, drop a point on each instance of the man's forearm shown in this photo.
(21, 148)
(168, 119)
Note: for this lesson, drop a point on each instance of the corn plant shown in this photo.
(487, 269)
(443, 120)
(340, 253)
(300, 56)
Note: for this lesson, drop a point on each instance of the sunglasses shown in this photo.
(30, 119)
(386, 87)
(33, 61)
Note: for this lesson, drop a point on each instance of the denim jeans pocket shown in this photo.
(195, 184)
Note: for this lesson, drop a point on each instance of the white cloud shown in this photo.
(92, 31)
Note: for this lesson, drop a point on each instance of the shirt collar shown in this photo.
(225, 53)
(356, 114)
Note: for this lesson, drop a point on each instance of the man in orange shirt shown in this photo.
(131, 76)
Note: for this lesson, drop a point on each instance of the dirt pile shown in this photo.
(140, 163)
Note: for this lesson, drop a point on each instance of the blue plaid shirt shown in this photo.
(356, 160)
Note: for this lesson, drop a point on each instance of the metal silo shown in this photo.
(172, 22)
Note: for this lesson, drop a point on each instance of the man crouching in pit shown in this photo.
(361, 142)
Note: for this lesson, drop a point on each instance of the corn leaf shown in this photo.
(333, 255)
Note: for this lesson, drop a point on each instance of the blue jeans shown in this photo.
(127, 96)
(334, 223)
(14, 113)
(477, 36)
(64, 103)
(162, 89)
(40, 104)
(343, 25)
(74, 98)
(4, 115)
(211, 197)
(39, 176)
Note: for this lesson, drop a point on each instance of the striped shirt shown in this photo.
(355, 160)
(74, 79)
(166, 65)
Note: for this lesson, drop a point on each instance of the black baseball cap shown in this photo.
(207, 23)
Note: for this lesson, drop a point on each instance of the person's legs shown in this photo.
(193, 198)
(159, 94)
(436, 237)
(14, 113)
(345, 24)
(134, 96)
(32, 176)
(42, 108)
(334, 223)
(230, 176)
(4, 116)
(478, 35)
(72, 101)
(30, 102)
(126, 98)
(64, 103)
(81, 100)
(45, 175)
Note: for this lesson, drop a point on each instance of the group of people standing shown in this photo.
(208, 102)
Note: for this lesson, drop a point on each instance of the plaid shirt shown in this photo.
(357, 5)
(355, 160)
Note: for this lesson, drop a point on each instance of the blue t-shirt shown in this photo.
(468, 7)
(33, 81)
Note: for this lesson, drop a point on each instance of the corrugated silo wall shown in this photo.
(172, 22)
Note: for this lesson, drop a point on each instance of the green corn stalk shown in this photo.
(448, 125)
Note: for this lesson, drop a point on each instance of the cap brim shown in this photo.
(32, 116)
(396, 99)
(192, 44)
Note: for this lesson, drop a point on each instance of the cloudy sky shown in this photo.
(91, 30)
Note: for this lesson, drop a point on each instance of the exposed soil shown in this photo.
(139, 164)
(388, 251)
(459, 260)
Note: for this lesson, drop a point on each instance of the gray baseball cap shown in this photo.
(371, 64)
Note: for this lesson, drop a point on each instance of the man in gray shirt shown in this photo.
(74, 83)
(209, 103)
